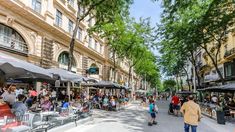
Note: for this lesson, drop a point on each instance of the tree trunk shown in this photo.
(129, 76)
(214, 62)
(78, 20)
(187, 78)
(181, 82)
(193, 61)
(114, 66)
(177, 87)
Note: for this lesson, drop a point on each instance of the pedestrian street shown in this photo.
(135, 118)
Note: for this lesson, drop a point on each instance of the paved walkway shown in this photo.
(134, 119)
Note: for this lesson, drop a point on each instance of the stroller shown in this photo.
(170, 111)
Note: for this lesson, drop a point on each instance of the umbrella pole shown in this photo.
(68, 90)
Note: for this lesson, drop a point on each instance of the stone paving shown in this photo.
(134, 119)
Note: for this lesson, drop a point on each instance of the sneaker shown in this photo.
(154, 123)
(150, 124)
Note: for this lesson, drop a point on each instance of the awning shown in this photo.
(185, 92)
(16, 68)
(66, 76)
(87, 79)
(141, 91)
(221, 88)
(104, 84)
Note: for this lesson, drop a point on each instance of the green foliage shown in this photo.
(191, 25)
(104, 11)
(132, 40)
(169, 84)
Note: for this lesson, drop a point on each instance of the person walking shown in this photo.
(152, 111)
(176, 104)
(192, 114)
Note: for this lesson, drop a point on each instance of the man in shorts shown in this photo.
(176, 104)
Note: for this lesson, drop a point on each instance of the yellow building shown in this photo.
(39, 31)
(226, 61)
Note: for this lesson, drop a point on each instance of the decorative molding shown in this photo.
(10, 21)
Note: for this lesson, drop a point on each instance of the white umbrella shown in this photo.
(66, 76)
(13, 67)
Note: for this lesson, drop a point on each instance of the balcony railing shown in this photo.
(13, 44)
(229, 52)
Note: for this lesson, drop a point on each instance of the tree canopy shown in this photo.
(127, 38)
(191, 26)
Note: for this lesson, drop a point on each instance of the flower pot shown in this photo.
(220, 117)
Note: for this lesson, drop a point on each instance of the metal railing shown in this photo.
(229, 52)
(13, 44)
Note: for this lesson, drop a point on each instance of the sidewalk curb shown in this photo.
(70, 125)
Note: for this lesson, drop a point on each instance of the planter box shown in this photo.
(220, 117)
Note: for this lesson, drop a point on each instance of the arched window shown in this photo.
(11, 39)
(64, 59)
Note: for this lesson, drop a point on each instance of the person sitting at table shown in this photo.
(5, 109)
(214, 99)
(9, 95)
(46, 103)
(105, 102)
(65, 103)
(32, 92)
(231, 104)
(113, 102)
(19, 108)
(29, 101)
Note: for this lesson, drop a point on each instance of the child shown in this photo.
(152, 111)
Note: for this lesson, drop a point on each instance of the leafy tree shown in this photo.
(191, 25)
(104, 11)
(169, 84)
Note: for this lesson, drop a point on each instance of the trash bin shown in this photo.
(220, 117)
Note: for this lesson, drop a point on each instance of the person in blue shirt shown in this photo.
(152, 111)
(19, 108)
(65, 103)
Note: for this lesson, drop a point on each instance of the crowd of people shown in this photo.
(16, 101)
(108, 101)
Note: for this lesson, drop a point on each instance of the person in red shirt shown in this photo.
(176, 104)
(5, 110)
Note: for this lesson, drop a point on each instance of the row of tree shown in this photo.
(126, 38)
(188, 27)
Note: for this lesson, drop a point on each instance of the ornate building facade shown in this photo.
(39, 31)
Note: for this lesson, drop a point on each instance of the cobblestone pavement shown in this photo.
(134, 119)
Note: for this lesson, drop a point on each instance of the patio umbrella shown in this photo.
(106, 84)
(230, 87)
(16, 68)
(65, 75)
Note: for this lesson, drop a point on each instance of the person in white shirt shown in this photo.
(53, 94)
(9, 95)
(18, 91)
(214, 99)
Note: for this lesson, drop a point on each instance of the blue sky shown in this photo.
(146, 8)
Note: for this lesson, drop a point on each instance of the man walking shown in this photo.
(176, 104)
(192, 114)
